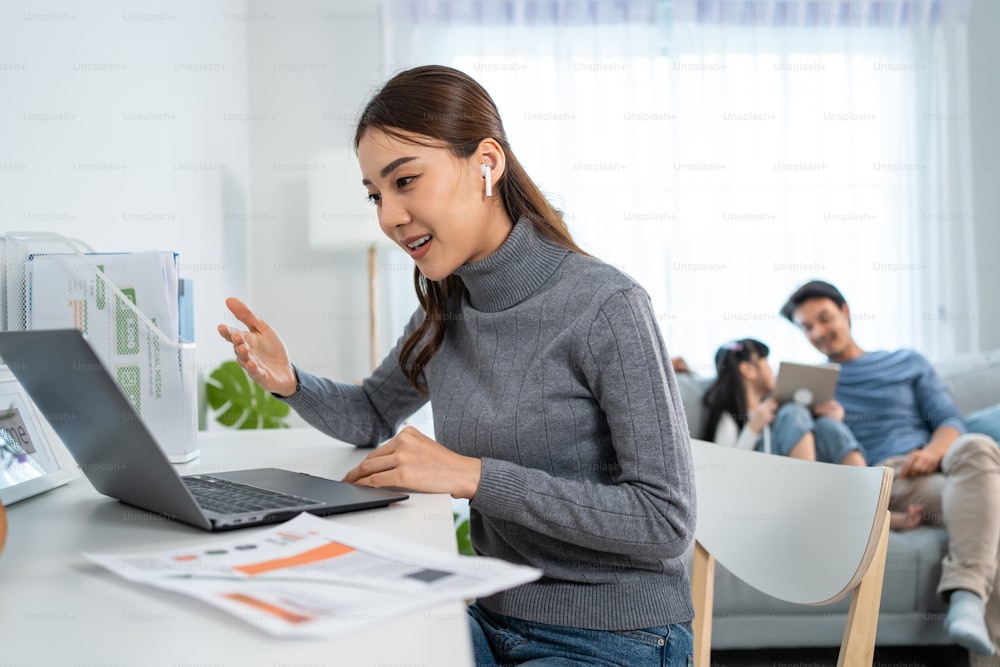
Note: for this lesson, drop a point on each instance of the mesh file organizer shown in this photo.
(156, 371)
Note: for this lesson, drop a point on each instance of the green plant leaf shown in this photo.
(463, 538)
(238, 402)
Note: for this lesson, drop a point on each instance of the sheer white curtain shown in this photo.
(724, 151)
(944, 226)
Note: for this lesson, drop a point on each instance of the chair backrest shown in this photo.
(801, 531)
(797, 530)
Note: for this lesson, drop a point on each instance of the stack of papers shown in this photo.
(127, 305)
(316, 577)
(65, 290)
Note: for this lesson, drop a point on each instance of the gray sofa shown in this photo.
(911, 612)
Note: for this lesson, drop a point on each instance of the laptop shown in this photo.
(807, 384)
(112, 446)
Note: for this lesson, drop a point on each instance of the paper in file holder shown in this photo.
(155, 371)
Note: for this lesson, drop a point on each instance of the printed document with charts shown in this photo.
(310, 576)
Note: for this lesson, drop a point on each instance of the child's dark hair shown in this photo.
(727, 394)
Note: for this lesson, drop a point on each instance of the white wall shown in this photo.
(312, 67)
(123, 125)
(984, 87)
(192, 126)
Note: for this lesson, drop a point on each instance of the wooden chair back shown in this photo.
(801, 531)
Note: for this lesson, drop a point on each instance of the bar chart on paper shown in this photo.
(311, 576)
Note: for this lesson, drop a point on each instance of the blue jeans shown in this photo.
(503, 640)
(834, 440)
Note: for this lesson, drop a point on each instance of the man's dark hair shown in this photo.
(814, 289)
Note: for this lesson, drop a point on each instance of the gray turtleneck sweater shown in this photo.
(554, 373)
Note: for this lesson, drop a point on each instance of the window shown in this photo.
(723, 165)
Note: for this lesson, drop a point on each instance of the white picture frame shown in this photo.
(32, 458)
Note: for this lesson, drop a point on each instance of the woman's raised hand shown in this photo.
(260, 351)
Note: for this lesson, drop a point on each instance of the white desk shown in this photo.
(57, 608)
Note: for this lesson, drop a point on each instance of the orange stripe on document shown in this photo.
(331, 550)
(283, 614)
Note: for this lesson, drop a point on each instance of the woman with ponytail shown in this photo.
(740, 412)
(556, 411)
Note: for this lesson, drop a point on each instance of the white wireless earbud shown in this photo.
(487, 176)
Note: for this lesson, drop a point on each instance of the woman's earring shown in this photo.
(489, 180)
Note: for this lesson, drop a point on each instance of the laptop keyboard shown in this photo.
(227, 497)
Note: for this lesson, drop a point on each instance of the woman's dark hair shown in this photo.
(727, 394)
(446, 107)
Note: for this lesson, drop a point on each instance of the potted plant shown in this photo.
(238, 402)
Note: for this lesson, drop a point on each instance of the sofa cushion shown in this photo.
(985, 421)
(973, 380)
(917, 555)
(912, 570)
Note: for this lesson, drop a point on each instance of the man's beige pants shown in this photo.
(964, 498)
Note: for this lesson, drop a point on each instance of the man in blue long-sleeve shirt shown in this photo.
(901, 412)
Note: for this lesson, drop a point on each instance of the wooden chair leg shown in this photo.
(702, 592)
(857, 648)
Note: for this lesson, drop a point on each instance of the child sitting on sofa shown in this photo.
(740, 412)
